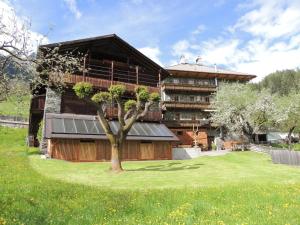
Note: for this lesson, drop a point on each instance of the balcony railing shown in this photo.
(186, 123)
(188, 87)
(187, 105)
(112, 112)
(103, 83)
(114, 72)
(38, 102)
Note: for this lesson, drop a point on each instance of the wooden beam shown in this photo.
(112, 72)
(137, 74)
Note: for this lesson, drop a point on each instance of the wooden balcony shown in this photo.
(112, 113)
(38, 103)
(102, 83)
(187, 105)
(188, 87)
(186, 123)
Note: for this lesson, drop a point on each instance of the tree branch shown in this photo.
(101, 117)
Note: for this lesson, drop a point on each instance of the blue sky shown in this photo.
(255, 36)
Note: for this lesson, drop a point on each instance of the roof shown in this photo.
(198, 68)
(89, 42)
(71, 126)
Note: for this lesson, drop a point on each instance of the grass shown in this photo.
(239, 188)
(294, 146)
(235, 168)
(15, 106)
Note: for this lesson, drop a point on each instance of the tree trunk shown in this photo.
(256, 139)
(116, 158)
(290, 137)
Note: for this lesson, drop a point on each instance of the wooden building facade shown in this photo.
(81, 138)
(186, 97)
(107, 60)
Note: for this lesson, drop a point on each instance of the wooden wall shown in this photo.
(100, 150)
(186, 137)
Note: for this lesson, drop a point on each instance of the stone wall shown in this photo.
(52, 105)
(185, 153)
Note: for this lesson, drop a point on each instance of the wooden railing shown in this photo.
(185, 123)
(38, 102)
(112, 112)
(187, 105)
(102, 83)
(188, 87)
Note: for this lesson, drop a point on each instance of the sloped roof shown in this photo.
(107, 40)
(198, 68)
(88, 127)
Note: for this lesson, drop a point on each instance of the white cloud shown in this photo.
(152, 53)
(199, 29)
(273, 19)
(18, 27)
(72, 5)
(273, 28)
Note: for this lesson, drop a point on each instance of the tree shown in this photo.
(281, 82)
(287, 114)
(128, 113)
(18, 61)
(241, 110)
(15, 50)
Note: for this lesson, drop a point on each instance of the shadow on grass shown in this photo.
(174, 166)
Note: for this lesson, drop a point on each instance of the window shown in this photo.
(192, 98)
(176, 81)
(179, 132)
(177, 116)
(206, 99)
(176, 98)
(200, 82)
(186, 116)
(199, 116)
(191, 81)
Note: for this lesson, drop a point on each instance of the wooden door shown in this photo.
(87, 151)
(147, 151)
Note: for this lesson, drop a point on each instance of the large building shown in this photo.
(71, 130)
(186, 97)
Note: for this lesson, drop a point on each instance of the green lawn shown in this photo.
(294, 146)
(15, 106)
(238, 188)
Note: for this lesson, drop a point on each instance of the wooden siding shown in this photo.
(186, 137)
(100, 150)
(74, 105)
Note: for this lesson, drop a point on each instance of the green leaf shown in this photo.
(83, 89)
(130, 104)
(101, 97)
(117, 91)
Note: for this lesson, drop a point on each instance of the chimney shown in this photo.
(198, 60)
(182, 60)
(216, 69)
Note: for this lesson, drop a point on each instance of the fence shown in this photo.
(13, 121)
(285, 157)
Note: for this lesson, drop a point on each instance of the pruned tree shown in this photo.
(242, 110)
(287, 114)
(128, 113)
